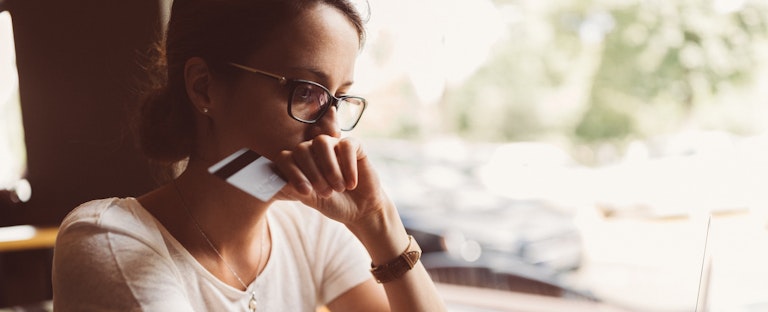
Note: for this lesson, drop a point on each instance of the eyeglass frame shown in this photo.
(334, 101)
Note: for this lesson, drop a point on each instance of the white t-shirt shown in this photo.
(113, 255)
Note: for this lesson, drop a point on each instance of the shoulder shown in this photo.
(110, 255)
(119, 216)
(336, 260)
(110, 213)
(89, 212)
(318, 236)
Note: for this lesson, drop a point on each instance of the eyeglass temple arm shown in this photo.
(282, 80)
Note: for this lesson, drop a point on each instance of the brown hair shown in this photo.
(218, 31)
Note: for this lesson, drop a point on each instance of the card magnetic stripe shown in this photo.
(237, 164)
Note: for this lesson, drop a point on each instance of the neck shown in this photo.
(228, 231)
(205, 188)
(231, 218)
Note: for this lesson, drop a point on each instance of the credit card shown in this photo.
(250, 172)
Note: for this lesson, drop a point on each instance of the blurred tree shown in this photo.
(510, 96)
(663, 58)
(638, 67)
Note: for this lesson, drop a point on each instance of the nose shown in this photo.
(328, 123)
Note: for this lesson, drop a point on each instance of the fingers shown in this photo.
(323, 165)
(347, 151)
(291, 173)
(323, 150)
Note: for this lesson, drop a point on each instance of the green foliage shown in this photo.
(603, 123)
(494, 104)
(655, 64)
(670, 53)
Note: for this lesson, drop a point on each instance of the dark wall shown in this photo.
(78, 67)
(78, 70)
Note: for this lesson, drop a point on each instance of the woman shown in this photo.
(270, 76)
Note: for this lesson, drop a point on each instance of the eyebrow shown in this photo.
(321, 75)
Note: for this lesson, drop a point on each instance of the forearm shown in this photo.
(386, 239)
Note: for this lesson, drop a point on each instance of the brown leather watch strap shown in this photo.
(396, 268)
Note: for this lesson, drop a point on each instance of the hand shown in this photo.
(333, 176)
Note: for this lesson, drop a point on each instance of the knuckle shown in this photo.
(346, 144)
(303, 148)
(325, 139)
(285, 156)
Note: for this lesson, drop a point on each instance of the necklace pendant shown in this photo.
(252, 302)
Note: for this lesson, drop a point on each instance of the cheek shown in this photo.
(264, 126)
(256, 119)
(251, 108)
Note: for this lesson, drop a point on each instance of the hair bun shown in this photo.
(165, 128)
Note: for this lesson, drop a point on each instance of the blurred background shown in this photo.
(547, 155)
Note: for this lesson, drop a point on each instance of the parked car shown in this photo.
(473, 235)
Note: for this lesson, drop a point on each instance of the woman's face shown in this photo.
(321, 46)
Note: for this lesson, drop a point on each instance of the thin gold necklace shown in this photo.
(252, 302)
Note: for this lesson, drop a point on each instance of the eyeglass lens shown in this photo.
(309, 102)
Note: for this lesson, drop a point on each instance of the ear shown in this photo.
(197, 80)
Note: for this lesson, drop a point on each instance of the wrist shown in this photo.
(383, 235)
(396, 268)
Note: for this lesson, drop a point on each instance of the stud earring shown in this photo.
(205, 110)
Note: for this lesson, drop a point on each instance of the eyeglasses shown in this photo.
(308, 101)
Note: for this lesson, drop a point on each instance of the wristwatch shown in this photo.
(396, 268)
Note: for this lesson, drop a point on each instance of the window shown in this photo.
(581, 143)
(12, 147)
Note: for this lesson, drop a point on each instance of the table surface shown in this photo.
(648, 264)
(27, 237)
(656, 264)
